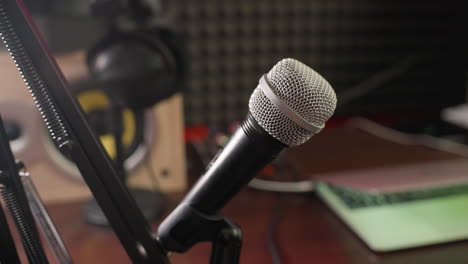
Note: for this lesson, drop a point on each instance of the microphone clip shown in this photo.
(188, 226)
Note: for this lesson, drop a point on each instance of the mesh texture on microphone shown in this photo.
(304, 91)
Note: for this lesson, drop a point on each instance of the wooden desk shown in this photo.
(308, 231)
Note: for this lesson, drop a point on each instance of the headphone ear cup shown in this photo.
(176, 43)
(160, 86)
(140, 68)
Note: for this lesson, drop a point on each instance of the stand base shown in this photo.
(151, 203)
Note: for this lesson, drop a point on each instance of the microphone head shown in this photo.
(292, 102)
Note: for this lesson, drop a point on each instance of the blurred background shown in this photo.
(165, 83)
(420, 47)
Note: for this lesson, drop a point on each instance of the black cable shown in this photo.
(380, 78)
(272, 243)
(149, 166)
(441, 48)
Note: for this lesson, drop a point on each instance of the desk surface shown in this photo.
(308, 231)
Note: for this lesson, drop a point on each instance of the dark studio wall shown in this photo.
(231, 43)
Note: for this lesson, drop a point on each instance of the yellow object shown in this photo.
(93, 100)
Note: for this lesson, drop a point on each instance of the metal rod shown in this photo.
(8, 252)
(45, 222)
(81, 143)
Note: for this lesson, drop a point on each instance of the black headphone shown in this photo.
(141, 67)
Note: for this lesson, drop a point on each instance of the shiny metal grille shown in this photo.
(305, 91)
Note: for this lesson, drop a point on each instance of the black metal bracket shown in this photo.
(186, 226)
(25, 42)
(227, 246)
(8, 251)
(16, 201)
(31, 54)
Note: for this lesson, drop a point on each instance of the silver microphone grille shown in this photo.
(293, 103)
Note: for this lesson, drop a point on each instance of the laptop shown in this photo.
(401, 207)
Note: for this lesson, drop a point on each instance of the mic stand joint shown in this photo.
(187, 226)
(227, 246)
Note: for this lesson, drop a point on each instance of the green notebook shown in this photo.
(403, 218)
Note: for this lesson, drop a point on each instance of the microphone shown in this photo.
(291, 104)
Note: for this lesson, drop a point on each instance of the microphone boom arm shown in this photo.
(62, 114)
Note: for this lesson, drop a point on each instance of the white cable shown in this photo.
(380, 78)
(375, 129)
(389, 134)
(284, 187)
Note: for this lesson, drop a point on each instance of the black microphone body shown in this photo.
(248, 151)
(291, 103)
